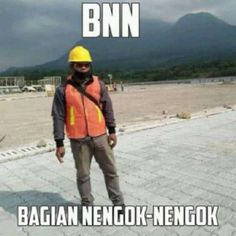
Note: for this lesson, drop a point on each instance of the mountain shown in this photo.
(193, 38)
(201, 35)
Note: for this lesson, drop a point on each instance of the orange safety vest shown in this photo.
(84, 117)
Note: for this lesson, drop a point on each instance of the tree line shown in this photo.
(182, 71)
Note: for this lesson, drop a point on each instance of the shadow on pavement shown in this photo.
(10, 200)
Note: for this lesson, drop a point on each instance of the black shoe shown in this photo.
(81, 211)
(121, 212)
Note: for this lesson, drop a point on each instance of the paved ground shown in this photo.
(187, 163)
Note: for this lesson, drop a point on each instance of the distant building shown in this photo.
(12, 81)
(11, 84)
(50, 80)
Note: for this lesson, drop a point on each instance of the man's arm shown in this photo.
(58, 114)
(108, 113)
(107, 109)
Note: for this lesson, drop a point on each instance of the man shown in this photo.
(84, 107)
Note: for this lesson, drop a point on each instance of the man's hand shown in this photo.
(112, 140)
(60, 152)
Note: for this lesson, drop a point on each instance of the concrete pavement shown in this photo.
(186, 163)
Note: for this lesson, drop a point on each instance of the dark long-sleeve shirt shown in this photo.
(59, 112)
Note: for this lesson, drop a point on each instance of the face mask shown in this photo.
(82, 76)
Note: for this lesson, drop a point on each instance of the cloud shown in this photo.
(33, 32)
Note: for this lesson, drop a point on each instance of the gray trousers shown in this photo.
(83, 151)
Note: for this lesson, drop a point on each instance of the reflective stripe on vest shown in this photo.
(84, 117)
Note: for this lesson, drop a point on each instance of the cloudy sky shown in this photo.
(34, 32)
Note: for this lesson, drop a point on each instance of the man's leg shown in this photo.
(82, 153)
(105, 158)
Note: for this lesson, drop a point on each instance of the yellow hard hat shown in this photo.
(79, 54)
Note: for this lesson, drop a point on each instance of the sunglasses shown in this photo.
(82, 64)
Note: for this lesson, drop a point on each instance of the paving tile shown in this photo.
(190, 162)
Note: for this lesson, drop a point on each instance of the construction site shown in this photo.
(118, 118)
(26, 116)
(18, 84)
(169, 138)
